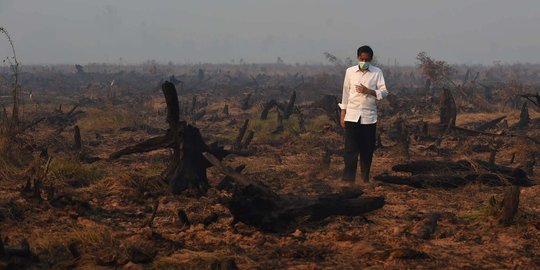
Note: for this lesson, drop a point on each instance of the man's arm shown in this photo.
(378, 93)
(344, 99)
(381, 91)
(342, 119)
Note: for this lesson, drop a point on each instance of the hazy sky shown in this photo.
(458, 31)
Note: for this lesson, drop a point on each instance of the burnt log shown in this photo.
(431, 166)
(227, 183)
(151, 144)
(490, 124)
(445, 180)
(257, 205)
(514, 176)
(424, 180)
(471, 132)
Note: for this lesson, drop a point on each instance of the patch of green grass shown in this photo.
(110, 118)
(318, 123)
(64, 168)
(484, 211)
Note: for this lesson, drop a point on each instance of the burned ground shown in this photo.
(93, 212)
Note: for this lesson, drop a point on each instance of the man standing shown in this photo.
(363, 85)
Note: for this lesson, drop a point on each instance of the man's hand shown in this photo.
(342, 120)
(364, 90)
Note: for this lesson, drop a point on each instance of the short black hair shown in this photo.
(365, 49)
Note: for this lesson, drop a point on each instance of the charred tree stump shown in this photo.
(226, 110)
(513, 158)
(301, 122)
(193, 105)
(267, 107)
(248, 139)
(425, 129)
(426, 228)
(524, 118)
(238, 142)
(427, 85)
(401, 134)
(23, 252)
(183, 218)
(257, 205)
(245, 104)
(326, 158)
(448, 111)
(329, 103)
(77, 138)
(528, 165)
(510, 205)
(279, 127)
(187, 168)
(198, 116)
(290, 106)
(378, 142)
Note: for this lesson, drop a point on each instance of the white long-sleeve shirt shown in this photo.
(362, 106)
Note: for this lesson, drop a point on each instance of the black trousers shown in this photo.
(359, 140)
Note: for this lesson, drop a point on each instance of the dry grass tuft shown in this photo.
(93, 242)
(187, 260)
(12, 159)
(126, 184)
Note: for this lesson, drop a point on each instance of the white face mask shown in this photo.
(363, 65)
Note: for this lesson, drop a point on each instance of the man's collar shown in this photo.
(361, 70)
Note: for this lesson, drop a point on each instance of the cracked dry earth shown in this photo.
(101, 222)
